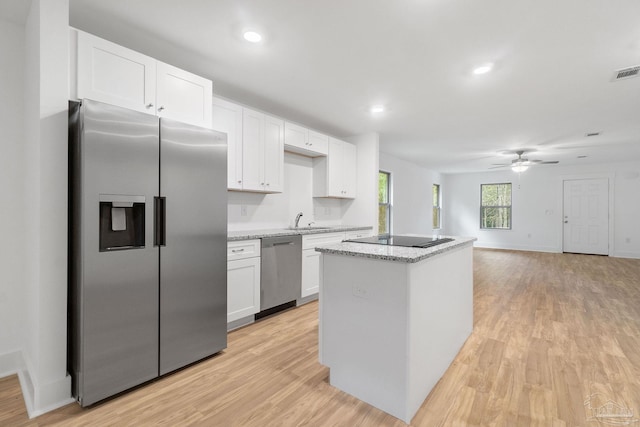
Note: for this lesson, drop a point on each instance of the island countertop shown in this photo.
(395, 253)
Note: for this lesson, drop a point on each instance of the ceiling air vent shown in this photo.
(626, 73)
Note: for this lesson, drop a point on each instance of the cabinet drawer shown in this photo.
(310, 241)
(358, 234)
(242, 249)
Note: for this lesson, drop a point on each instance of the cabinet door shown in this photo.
(252, 150)
(318, 142)
(349, 169)
(310, 272)
(243, 288)
(334, 169)
(296, 136)
(273, 154)
(227, 118)
(183, 96)
(115, 75)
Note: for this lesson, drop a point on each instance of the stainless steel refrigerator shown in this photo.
(147, 247)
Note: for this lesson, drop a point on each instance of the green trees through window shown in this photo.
(436, 206)
(495, 206)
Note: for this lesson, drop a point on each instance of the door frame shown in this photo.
(611, 179)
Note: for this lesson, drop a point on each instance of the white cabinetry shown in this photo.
(183, 96)
(301, 140)
(227, 118)
(335, 175)
(262, 152)
(255, 144)
(243, 279)
(357, 234)
(113, 74)
(311, 260)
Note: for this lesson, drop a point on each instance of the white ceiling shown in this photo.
(323, 63)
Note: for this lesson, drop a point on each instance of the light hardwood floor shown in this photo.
(551, 332)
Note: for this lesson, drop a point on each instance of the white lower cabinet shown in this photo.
(311, 260)
(310, 272)
(243, 279)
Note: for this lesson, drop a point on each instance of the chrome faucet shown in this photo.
(298, 218)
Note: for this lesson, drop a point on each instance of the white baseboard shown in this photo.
(11, 363)
(38, 398)
(634, 255)
(490, 245)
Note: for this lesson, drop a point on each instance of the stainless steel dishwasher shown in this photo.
(281, 273)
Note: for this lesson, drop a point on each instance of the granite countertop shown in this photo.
(395, 253)
(259, 234)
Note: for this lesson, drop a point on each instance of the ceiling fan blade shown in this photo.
(543, 162)
(499, 166)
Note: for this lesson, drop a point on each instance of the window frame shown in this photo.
(388, 205)
(509, 207)
(437, 208)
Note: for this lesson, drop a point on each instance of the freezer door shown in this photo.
(193, 258)
(114, 320)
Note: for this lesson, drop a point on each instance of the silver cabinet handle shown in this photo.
(149, 106)
(237, 250)
(239, 181)
(160, 108)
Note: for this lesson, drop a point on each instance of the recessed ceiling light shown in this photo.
(483, 69)
(592, 134)
(375, 109)
(252, 36)
(582, 157)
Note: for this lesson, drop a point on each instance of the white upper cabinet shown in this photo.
(253, 150)
(274, 154)
(227, 118)
(301, 140)
(262, 152)
(113, 74)
(255, 147)
(183, 96)
(318, 142)
(335, 175)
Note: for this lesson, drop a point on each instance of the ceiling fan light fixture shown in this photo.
(252, 36)
(483, 69)
(519, 167)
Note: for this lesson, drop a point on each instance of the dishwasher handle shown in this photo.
(282, 241)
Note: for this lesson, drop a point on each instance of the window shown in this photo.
(436, 206)
(495, 206)
(384, 204)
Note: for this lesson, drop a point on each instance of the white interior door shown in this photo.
(586, 216)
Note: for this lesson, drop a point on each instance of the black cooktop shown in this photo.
(408, 241)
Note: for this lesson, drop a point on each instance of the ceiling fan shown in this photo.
(521, 164)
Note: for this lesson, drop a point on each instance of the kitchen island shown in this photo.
(392, 319)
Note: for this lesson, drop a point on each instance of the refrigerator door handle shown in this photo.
(160, 221)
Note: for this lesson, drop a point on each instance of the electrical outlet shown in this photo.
(243, 210)
(359, 291)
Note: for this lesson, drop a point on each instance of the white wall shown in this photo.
(412, 206)
(12, 160)
(537, 207)
(44, 383)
